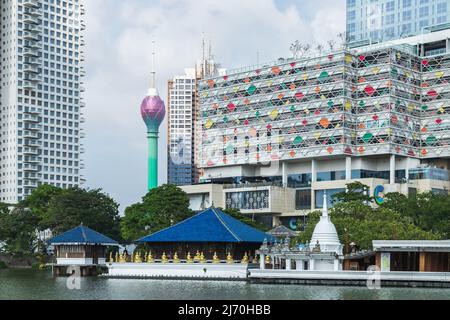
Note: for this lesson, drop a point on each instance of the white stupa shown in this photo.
(325, 233)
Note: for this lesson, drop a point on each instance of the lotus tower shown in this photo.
(153, 112)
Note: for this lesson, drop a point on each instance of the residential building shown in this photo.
(41, 55)
(183, 130)
(374, 21)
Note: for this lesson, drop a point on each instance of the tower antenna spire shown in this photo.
(153, 73)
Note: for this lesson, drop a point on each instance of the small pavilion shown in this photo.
(211, 233)
(80, 247)
(282, 232)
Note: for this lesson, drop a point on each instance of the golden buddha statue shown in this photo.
(245, 259)
(137, 258)
(230, 259)
(268, 260)
(197, 256)
(123, 258)
(175, 258)
(189, 258)
(150, 258)
(216, 258)
(202, 258)
(164, 258)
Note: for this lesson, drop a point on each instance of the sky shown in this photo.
(118, 49)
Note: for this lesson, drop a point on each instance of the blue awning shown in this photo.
(211, 225)
(82, 236)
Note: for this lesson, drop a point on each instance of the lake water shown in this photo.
(28, 284)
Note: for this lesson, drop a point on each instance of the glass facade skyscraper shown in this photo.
(40, 104)
(372, 21)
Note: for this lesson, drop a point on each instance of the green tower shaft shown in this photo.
(152, 160)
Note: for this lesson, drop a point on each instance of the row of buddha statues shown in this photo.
(149, 258)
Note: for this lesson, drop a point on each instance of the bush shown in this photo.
(3, 265)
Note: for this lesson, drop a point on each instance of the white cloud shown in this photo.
(119, 35)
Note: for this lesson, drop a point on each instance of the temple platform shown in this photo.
(351, 278)
(194, 271)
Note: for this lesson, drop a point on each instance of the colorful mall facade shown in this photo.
(275, 137)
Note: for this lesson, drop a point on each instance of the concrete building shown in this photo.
(183, 114)
(375, 21)
(41, 56)
(275, 137)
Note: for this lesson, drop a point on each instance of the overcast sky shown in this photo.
(118, 51)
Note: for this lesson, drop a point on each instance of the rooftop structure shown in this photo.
(82, 235)
(374, 21)
(209, 226)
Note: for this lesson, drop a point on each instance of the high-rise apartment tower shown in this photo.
(40, 95)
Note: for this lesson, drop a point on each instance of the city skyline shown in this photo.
(117, 79)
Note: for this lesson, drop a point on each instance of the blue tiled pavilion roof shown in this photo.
(82, 235)
(211, 225)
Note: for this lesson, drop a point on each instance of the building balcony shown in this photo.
(33, 78)
(31, 3)
(82, 89)
(32, 176)
(33, 127)
(32, 111)
(32, 143)
(30, 134)
(30, 151)
(33, 61)
(30, 36)
(33, 28)
(28, 85)
(30, 167)
(30, 19)
(33, 160)
(28, 52)
(30, 68)
(29, 118)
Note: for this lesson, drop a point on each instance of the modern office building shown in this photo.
(40, 104)
(374, 21)
(183, 124)
(275, 137)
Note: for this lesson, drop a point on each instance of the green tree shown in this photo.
(39, 202)
(430, 212)
(95, 209)
(161, 208)
(362, 224)
(356, 191)
(18, 230)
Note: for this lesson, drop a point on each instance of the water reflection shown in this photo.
(26, 284)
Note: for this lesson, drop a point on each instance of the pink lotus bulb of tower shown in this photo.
(153, 112)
